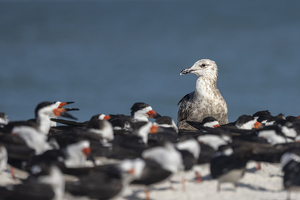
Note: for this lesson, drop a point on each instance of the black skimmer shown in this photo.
(215, 141)
(72, 159)
(133, 144)
(209, 122)
(280, 136)
(3, 119)
(189, 149)
(23, 143)
(33, 138)
(292, 119)
(167, 131)
(206, 100)
(274, 135)
(106, 182)
(265, 117)
(161, 163)
(3, 159)
(247, 122)
(43, 112)
(241, 126)
(266, 144)
(262, 152)
(244, 122)
(99, 133)
(290, 163)
(139, 112)
(166, 122)
(209, 145)
(77, 154)
(121, 122)
(103, 128)
(262, 116)
(226, 166)
(6, 176)
(45, 182)
(60, 105)
(289, 129)
(74, 124)
(16, 147)
(142, 130)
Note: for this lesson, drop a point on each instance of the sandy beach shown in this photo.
(264, 184)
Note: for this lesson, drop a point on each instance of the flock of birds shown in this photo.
(108, 153)
(50, 158)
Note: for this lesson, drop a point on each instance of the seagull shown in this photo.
(206, 100)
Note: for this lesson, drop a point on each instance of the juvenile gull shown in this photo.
(206, 100)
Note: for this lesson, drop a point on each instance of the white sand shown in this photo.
(264, 184)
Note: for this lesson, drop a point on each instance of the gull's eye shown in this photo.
(203, 65)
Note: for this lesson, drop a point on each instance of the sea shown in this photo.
(107, 55)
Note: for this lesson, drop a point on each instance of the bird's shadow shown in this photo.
(276, 175)
(160, 189)
(257, 188)
(254, 170)
(227, 189)
(251, 170)
(175, 182)
(136, 192)
(134, 195)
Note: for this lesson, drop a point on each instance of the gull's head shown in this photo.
(204, 67)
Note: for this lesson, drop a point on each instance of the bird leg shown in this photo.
(198, 177)
(288, 196)
(12, 171)
(258, 166)
(147, 194)
(218, 187)
(171, 185)
(183, 183)
(235, 186)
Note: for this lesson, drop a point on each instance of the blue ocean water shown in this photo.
(107, 55)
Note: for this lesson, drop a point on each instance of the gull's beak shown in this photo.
(186, 71)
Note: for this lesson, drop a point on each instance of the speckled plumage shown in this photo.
(206, 100)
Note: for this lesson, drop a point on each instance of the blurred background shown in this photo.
(107, 55)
